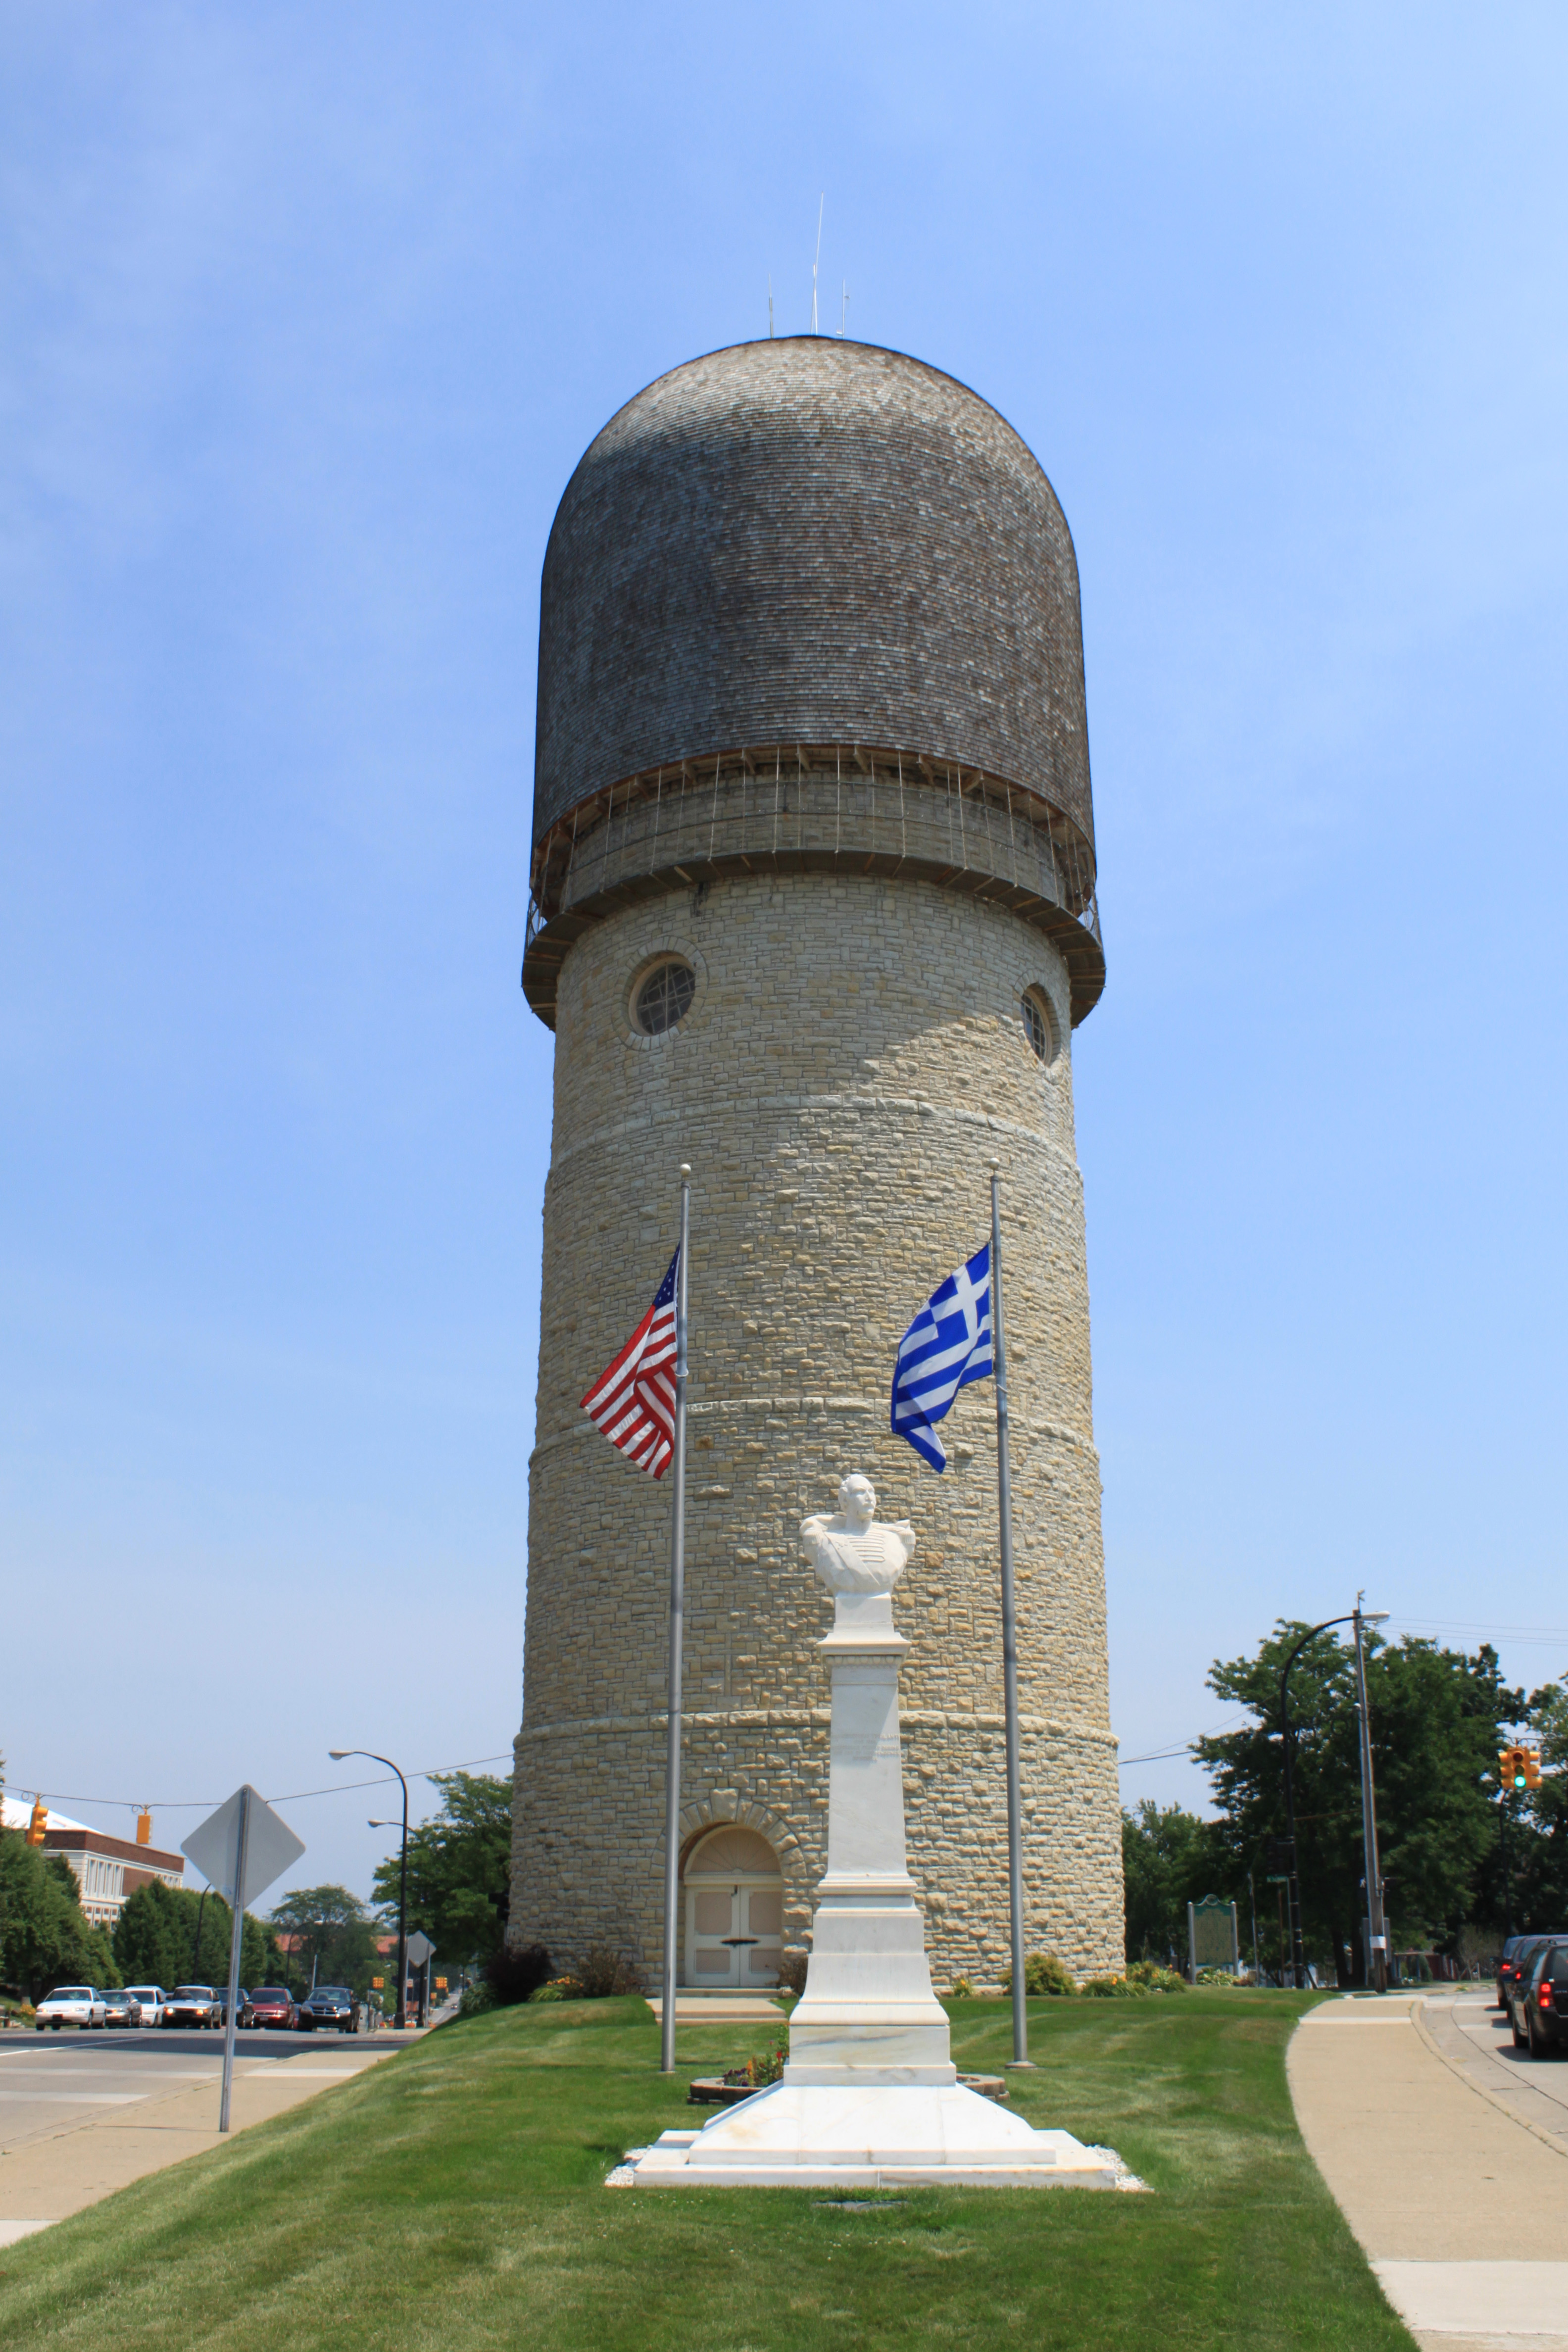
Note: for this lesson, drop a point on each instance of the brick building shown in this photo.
(107, 1869)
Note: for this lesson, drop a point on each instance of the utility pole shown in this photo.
(1377, 1930)
(1288, 1757)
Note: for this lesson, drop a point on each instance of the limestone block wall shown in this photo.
(853, 1056)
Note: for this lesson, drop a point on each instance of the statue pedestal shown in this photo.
(870, 2096)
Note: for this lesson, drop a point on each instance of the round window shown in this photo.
(1039, 1026)
(664, 997)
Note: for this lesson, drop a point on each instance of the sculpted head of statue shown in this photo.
(858, 1501)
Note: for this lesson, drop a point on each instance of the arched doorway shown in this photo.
(734, 1911)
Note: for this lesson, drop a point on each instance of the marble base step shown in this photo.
(812, 2135)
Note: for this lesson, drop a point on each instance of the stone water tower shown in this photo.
(814, 909)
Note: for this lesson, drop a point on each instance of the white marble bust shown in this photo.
(853, 1550)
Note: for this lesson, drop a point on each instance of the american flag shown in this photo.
(633, 1400)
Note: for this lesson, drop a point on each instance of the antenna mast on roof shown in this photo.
(813, 267)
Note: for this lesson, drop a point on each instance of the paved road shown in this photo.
(1448, 2154)
(82, 2114)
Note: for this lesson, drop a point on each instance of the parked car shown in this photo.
(273, 2006)
(152, 1998)
(328, 2005)
(244, 2017)
(121, 2009)
(190, 2005)
(77, 2005)
(1538, 2001)
(1517, 1955)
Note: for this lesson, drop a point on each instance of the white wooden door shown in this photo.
(733, 1933)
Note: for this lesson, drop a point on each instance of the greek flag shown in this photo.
(948, 1344)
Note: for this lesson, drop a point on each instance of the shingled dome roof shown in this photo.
(809, 540)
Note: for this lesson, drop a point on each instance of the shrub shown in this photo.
(1216, 1980)
(792, 1972)
(477, 1998)
(1115, 1988)
(1043, 1973)
(516, 1972)
(559, 1988)
(603, 1971)
(962, 1989)
(1154, 1979)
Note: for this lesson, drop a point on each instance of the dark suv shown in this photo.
(1518, 1955)
(328, 2005)
(1538, 2000)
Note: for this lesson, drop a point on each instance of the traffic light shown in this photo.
(1532, 1768)
(1512, 1768)
(39, 1824)
(144, 1826)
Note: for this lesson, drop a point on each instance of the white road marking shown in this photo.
(111, 2074)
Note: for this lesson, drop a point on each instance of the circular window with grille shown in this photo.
(664, 996)
(1039, 1024)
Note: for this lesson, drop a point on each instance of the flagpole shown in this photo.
(677, 1609)
(1009, 1638)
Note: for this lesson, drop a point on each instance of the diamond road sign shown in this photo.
(420, 1949)
(270, 1848)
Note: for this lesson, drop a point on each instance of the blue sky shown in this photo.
(310, 314)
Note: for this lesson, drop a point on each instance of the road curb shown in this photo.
(1492, 2098)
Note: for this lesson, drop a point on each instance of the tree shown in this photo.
(331, 1939)
(458, 1864)
(1168, 1858)
(1533, 1891)
(45, 1939)
(1437, 1718)
(155, 1941)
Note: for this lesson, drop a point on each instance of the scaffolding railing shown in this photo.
(839, 808)
(834, 804)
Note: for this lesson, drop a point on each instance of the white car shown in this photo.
(154, 2000)
(76, 2005)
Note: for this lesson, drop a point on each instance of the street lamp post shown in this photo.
(1376, 1956)
(338, 1755)
(386, 1825)
(1288, 1745)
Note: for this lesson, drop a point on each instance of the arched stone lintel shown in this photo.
(728, 1805)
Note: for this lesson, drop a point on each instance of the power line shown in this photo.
(1161, 1755)
(298, 1797)
(1539, 1634)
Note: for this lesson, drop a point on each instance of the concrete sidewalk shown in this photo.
(1444, 2156)
(48, 2175)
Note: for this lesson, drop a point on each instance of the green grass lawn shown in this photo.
(453, 2198)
